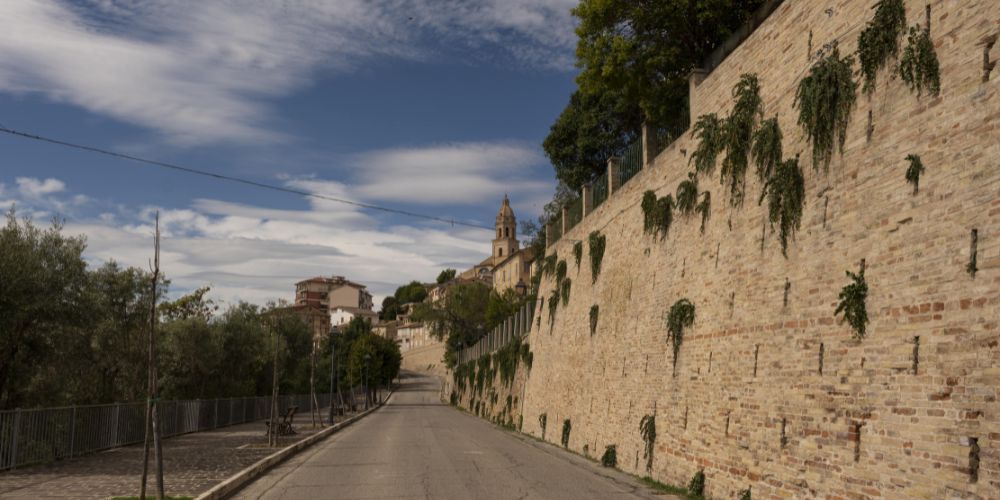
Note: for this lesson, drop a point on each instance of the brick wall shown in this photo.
(868, 425)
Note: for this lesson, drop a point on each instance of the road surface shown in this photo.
(417, 447)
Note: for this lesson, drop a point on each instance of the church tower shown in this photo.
(505, 243)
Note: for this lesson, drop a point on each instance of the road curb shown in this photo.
(245, 476)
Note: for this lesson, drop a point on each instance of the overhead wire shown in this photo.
(231, 178)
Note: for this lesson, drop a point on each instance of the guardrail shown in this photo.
(516, 326)
(48, 434)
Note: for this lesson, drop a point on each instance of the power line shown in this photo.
(231, 178)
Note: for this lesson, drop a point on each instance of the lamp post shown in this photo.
(333, 372)
(368, 358)
(521, 288)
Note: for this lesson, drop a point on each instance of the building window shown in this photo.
(499, 252)
(498, 233)
(506, 232)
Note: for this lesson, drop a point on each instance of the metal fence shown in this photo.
(599, 190)
(516, 326)
(48, 434)
(574, 213)
(631, 162)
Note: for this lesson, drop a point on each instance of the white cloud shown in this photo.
(200, 72)
(31, 187)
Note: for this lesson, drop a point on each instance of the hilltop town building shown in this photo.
(337, 297)
(509, 265)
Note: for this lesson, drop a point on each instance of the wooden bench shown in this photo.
(284, 426)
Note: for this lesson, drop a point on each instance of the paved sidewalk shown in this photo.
(192, 464)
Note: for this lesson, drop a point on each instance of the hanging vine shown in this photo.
(914, 170)
(578, 253)
(745, 494)
(567, 426)
(648, 212)
(786, 195)
(704, 208)
(560, 272)
(766, 152)
(738, 132)
(567, 284)
(681, 315)
(825, 99)
(852, 303)
(880, 39)
(647, 428)
(697, 485)
(542, 420)
(597, 243)
(594, 311)
(709, 131)
(610, 456)
(687, 194)
(549, 265)
(657, 214)
(553, 305)
(919, 66)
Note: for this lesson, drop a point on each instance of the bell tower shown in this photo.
(505, 243)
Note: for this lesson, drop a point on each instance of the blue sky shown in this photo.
(433, 106)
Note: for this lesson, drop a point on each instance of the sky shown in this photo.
(431, 106)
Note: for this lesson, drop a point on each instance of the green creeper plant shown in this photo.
(786, 195)
(567, 284)
(709, 131)
(649, 212)
(738, 133)
(880, 39)
(766, 151)
(542, 420)
(553, 305)
(825, 98)
(578, 253)
(687, 194)
(594, 311)
(657, 213)
(704, 208)
(526, 356)
(561, 269)
(549, 265)
(919, 66)
(697, 485)
(745, 494)
(681, 315)
(597, 243)
(610, 456)
(852, 303)
(567, 426)
(647, 428)
(914, 170)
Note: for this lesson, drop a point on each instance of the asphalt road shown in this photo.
(417, 447)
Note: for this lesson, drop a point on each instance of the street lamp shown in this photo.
(521, 288)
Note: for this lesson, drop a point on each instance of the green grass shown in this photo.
(669, 489)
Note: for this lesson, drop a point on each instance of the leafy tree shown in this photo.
(390, 308)
(446, 276)
(593, 127)
(192, 305)
(645, 49)
(459, 318)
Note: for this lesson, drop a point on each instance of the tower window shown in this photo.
(499, 234)
(500, 252)
(506, 232)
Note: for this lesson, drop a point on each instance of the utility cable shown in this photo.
(231, 178)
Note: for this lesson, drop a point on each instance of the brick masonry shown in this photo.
(868, 425)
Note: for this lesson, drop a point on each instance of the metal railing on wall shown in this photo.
(48, 434)
(630, 163)
(515, 327)
(600, 190)
(574, 213)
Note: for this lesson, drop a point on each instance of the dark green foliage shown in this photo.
(578, 253)
(852, 303)
(681, 315)
(561, 269)
(738, 133)
(648, 211)
(708, 128)
(657, 213)
(914, 170)
(766, 151)
(594, 311)
(542, 420)
(687, 194)
(786, 195)
(919, 66)
(597, 243)
(553, 305)
(566, 286)
(665, 488)
(548, 267)
(745, 494)
(526, 356)
(880, 39)
(567, 426)
(647, 428)
(446, 276)
(610, 456)
(506, 359)
(520, 422)
(484, 374)
(697, 485)
(704, 208)
(593, 127)
(453, 399)
(825, 99)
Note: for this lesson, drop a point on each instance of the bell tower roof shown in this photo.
(505, 210)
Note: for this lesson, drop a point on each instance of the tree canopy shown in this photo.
(446, 276)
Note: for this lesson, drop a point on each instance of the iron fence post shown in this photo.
(72, 432)
(17, 428)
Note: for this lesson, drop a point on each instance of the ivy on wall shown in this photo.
(597, 243)
(553, 305)
(919, 66)
(786, 195)
(657, 214)
(687, 194)
(880, 40)
(681, 315)
(745, 494)
(542, 420)
(697, 485)
(914, 170)
(561, 270)
(567, 426)
(825, 98)
(647, 429)
(578, 253)
(766, 152)
(548, 266)
(610, 456)
(594, 311)
(708, 130)
(564, 288)
(704, 208)
(852, 303)
(738, 133)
